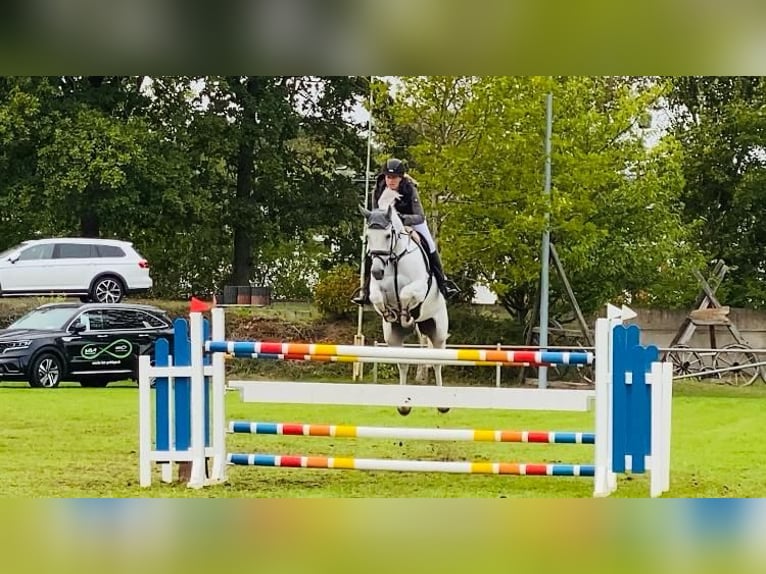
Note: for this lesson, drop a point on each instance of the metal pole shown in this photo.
(542, 380)
(358, 369)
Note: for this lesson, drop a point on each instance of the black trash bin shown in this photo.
(229, 295)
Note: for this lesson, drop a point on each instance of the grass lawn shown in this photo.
(75, 442)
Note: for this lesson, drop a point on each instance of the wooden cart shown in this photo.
(732, 363)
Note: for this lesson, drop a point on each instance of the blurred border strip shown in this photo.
(401, 37)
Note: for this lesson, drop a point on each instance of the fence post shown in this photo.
(498, 370)
(375, 367)
(358, 368)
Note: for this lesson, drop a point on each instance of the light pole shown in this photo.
(542, 378)
(358, 369)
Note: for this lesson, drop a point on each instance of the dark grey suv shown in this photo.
(93, 344)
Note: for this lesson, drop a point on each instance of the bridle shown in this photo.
(389, 256)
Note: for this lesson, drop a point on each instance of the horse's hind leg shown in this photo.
(437, 336)
(395, 338)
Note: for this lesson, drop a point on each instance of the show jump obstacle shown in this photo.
(186, 422)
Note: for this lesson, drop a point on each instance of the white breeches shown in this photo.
(422, 228)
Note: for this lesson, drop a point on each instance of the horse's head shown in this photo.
(382, 233)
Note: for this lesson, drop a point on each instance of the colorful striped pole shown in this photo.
(389, 359)
(348, 431)
(344, 463)
(355, 352)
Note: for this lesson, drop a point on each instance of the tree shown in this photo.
(22, 119)
(95, 150)
(290, 140)
(721, 123)
(110, 157)
(480, 156)
(210, 177)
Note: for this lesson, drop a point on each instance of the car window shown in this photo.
(123, 319)
(93, 320)
(109, 251)
(47, 319)
(42, 251)
(74, 251)
(12, 250)
(152, 321)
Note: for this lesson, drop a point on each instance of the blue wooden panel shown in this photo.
(161, 397)
(639, 401)
(182, 388)
(631, 412)
(619, 398)
(652, 355)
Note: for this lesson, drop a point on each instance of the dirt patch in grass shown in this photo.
(272, 329)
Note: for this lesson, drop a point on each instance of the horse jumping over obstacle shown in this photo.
(403, 290)
(631, 400)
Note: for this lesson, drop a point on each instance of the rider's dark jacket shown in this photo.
(408, 205)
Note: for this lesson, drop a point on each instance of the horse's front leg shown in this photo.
(413, 295)
(403, 369)
(377, 299)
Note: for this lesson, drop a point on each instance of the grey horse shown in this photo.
(402, 290)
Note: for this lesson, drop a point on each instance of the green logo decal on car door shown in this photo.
(118, 349)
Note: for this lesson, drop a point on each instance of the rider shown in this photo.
(411, 212)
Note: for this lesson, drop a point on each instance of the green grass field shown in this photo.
(75, 442)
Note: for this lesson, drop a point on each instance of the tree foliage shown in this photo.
(210, 177)
(254, 179)
(613, 208)
(721, 123)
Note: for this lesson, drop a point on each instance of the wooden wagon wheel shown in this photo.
(562, 337)
(686, 362)
(749, 370)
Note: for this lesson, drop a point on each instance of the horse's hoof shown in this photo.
(442, 409)
(404, 411)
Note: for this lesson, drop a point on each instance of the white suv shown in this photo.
(100, 270)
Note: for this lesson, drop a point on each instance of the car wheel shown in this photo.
(46, 371)
(94, 383)
(107, 290)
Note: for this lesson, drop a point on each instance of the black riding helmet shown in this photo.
(394, 166)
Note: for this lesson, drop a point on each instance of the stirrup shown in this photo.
(360, 297)
(450, 289)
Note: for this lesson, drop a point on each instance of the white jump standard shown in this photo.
(186, 422)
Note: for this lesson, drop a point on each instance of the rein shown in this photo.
(390, 257)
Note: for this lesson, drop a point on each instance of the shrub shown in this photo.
(332, 291)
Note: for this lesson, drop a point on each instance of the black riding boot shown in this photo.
(362, 295)
(446, 286)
